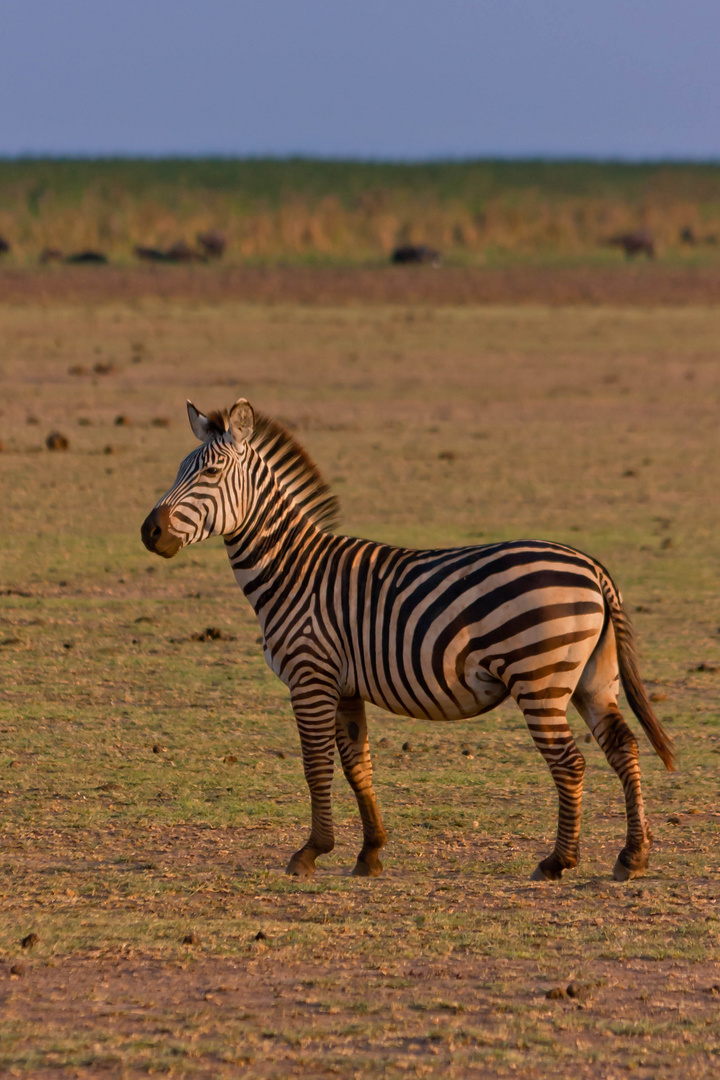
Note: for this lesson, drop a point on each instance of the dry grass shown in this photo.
(351, 211)
(595, 426)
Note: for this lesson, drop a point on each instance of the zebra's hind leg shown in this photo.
(314, 710)
(596, 701)
(352, 742)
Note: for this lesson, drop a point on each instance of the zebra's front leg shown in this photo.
(315, 710)
(352, 742)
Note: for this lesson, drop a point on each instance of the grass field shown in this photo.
(349, 212)
(151, 784)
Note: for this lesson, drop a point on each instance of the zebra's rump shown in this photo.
(448, 634)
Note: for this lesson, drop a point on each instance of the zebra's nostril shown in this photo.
(155, 532)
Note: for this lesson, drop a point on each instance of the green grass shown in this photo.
(271, 180)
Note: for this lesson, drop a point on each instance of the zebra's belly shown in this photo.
(455, 701)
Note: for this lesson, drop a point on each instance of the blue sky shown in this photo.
(391, 79)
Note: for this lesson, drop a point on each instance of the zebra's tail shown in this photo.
(630, 676)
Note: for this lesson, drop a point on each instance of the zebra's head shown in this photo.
(207, 496)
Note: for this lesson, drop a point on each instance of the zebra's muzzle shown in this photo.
(156, 535)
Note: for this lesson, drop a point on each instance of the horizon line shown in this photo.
(339, 159)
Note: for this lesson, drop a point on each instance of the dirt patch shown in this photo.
(462, 1017)
(621, 285)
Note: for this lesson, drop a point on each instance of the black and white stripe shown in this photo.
(442, 635)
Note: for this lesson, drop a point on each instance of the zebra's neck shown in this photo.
(274, 543)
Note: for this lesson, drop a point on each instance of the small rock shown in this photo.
(579, 991)
(211, 633)
(658, 697)
(260, 936)
(158, 748)
(383, 742)
(57, 441)
(30, 941)
(108, 449)
(18, 970)
(674, 819)
(122, 421)
(230, 759)
(556, 993)
(468, 754)
(407, 745)
(630, 472)
(191, 939)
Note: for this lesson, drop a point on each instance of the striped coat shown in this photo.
(438, 635)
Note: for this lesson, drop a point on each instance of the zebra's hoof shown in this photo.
(302, 864)
(621, 872)
(367, 869)
(539, 874)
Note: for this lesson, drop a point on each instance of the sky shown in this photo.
(371, 79)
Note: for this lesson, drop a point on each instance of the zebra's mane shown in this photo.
(292, 467)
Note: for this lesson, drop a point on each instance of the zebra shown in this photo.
(441, 634)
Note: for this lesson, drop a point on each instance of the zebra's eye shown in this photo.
(212, 470)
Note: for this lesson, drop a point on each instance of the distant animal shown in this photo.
(48, 255)
(416, 253)
(4, 246)
(440, 635)
(635, 243)
(180, 251)
(150, 254)
(212, 242)
(86, 257)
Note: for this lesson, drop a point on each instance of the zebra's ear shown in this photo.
(242, 420)
(199, 423)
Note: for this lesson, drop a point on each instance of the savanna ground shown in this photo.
(151, 783)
